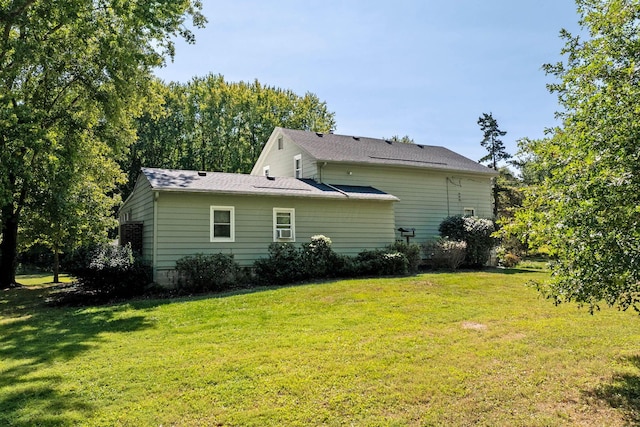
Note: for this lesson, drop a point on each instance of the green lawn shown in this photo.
(435, 349)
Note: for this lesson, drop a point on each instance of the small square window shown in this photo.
(469, 212)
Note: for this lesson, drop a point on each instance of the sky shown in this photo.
(423, 68)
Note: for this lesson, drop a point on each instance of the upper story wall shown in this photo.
(279, 156)
(426, 196)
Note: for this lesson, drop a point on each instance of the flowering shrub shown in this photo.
(411, 251)
(475, 232)
(318, 258)
(445, 253)
(110, 271)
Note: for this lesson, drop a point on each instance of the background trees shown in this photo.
(72, 75)
(587, 205)
(211, 124)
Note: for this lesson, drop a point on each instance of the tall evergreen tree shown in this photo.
(491, 141)
(496, 152)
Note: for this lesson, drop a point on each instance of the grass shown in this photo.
(434, 349)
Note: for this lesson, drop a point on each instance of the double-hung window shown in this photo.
(297, 165)
(223, 224)
(284, 225)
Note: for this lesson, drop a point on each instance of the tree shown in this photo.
(211, 124)
(405, 139)
(71, 75)
(590, 197)
(491, 141)
(497, 152)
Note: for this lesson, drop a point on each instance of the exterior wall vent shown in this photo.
(202, 174)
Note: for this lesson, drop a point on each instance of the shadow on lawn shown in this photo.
(622, 393)
(34, 337)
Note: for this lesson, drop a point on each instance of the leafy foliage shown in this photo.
(381, 263)
(72, 75)
(319, 259)
(587, 207)
(411, 251)
(475, 232)
(108, 271)
(445, 253)
(211, 124)
(283, 265)
(206, 273)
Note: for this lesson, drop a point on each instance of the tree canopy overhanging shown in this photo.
(585, 204)
(72, 75)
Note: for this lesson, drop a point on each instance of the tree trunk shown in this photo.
(8, 247)
(56, 266)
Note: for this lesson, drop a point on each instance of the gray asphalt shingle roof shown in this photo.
(233, 183)
(330, 147)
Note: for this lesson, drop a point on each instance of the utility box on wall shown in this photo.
(131, 232)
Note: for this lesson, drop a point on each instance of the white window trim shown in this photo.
(292, 212)
(473, 211)
(295, 170)
(232, 237)
(265, 170)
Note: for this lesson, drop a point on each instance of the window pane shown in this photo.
(223, 217)
(221, 230)
(283, 218)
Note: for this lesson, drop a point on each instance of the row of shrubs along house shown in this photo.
(363, 193)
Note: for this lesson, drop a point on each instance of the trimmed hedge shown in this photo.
(206, 273)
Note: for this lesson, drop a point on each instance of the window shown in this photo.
(297, 165)
(469, 212)
(284, 228)
(280, 144)
(223, 224)
(265, 171)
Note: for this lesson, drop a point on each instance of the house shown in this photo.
(357, 191)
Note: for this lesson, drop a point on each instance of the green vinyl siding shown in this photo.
(139, 207)
(426, 196)
(184, 225)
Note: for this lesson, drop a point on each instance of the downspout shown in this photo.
(320, 171)
(154, 260)
(448, 210)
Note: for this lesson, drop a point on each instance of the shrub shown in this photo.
(206, 273)
(412, 251)
(478, 236)
(318, 259)
(445, 253)
(475, 232)
(452, 228)
(110, 271)
(283, 265)
(506, 258)
(381, 263)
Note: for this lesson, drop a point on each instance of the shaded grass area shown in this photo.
(435, 349)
